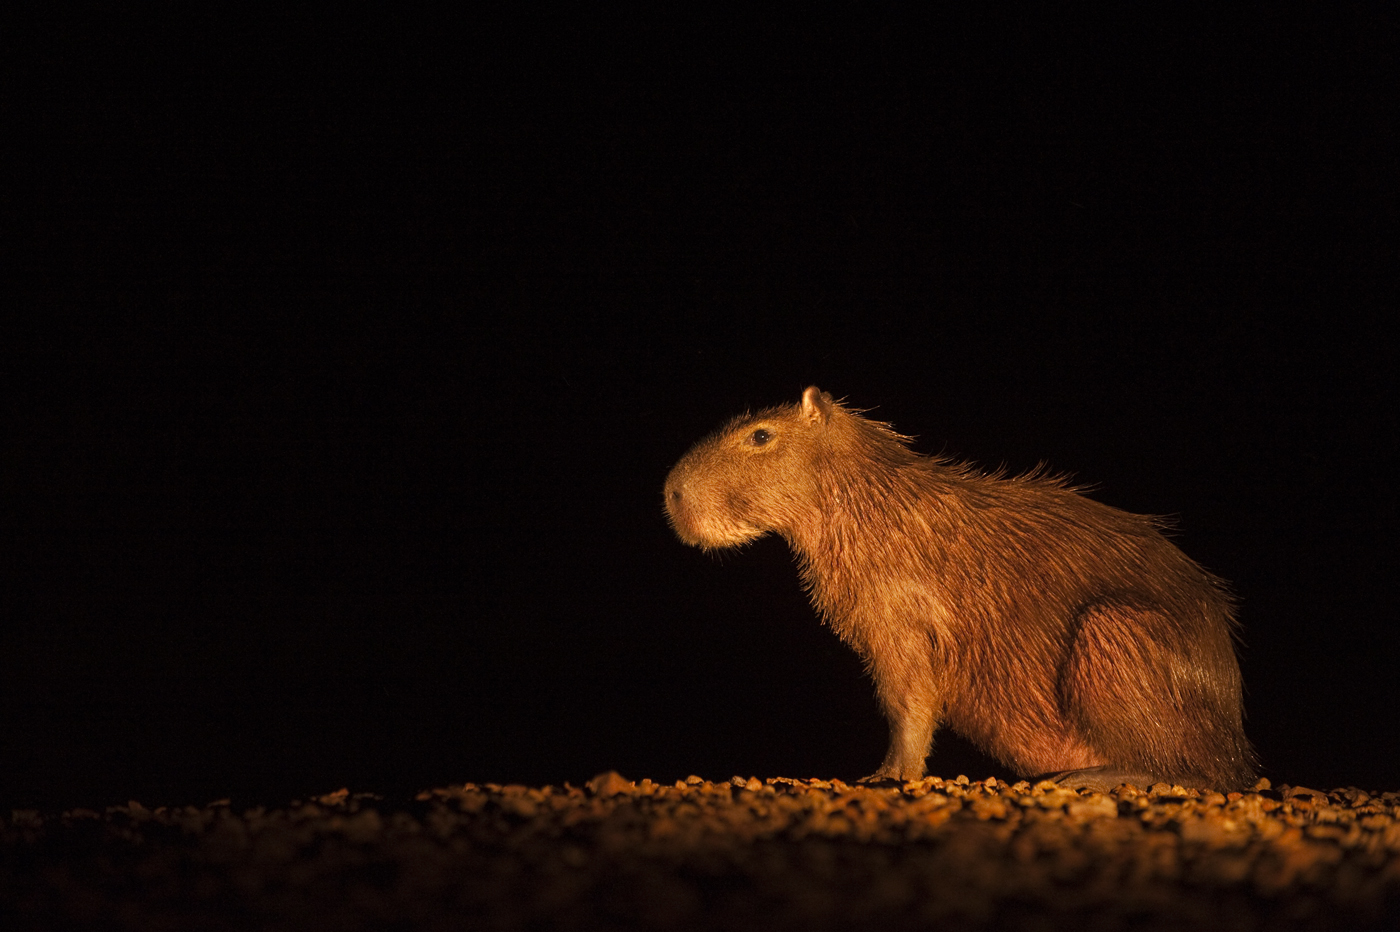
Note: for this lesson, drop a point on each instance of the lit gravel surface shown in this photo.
(744, 854)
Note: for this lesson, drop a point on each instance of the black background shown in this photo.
(343, 362)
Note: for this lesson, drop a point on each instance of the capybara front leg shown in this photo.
(904, 682)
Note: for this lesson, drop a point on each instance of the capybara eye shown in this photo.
(760, 437)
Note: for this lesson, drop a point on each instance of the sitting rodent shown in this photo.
(1059, 634)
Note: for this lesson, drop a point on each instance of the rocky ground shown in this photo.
(745, 854)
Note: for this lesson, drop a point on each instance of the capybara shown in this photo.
(1064, 637)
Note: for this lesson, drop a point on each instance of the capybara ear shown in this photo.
(816, 405)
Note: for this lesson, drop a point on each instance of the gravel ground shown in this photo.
(744, 854)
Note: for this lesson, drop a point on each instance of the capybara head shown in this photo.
(753, 476)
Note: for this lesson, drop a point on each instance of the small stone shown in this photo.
(1092, 807)
(1290, 792)
(608, 784)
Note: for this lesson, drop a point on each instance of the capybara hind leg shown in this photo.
(1102, 779)
(1154, 700)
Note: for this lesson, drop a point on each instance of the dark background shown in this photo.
(343, 363)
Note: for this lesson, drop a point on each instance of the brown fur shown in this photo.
(1055, 632)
